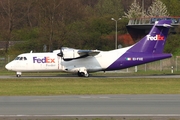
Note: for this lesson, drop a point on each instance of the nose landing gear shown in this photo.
(18, 74)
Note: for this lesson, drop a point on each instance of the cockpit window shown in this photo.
(20, 58)
(17, 58)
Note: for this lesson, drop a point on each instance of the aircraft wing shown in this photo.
(88, 52)
(70, 54)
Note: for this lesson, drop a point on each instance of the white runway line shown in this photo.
(98, 115)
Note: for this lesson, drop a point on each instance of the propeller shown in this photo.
(61, 52)
(60, 55)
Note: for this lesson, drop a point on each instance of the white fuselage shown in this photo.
(29, 62)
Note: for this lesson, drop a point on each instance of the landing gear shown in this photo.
(86, 75)
(18, 74)
(83, 74)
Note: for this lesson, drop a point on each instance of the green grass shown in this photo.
(81, 86)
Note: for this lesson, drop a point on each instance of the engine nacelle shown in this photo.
(69, 53)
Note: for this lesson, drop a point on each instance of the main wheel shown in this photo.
(86, 75)
(82, 74)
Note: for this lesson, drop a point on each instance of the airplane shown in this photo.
(148, 49)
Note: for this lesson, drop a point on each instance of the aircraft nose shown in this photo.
(8, 66)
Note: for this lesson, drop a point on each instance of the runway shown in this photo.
(94, 76)
(167, 106)
(91, 106)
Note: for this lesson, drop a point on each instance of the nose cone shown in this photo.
(8, 66)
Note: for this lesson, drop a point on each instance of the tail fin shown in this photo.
(153, 42)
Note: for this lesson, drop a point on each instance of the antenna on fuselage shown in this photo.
(31, 51)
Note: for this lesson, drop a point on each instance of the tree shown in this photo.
(99, 28)
(157, 9)
(91, 3)
(172, 7)
(135, 11)
(48, 18)
(109, 7)
(55, 17)
(173, 41)
(10, 17)
(30, 13)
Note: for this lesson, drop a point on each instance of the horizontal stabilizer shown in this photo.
(163, 25)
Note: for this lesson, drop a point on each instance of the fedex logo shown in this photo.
(157, 37)
(43, 60)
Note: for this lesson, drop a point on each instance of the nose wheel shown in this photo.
(18, 74)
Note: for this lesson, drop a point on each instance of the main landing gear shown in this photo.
(83, 72)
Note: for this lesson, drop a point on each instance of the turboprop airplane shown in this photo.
(148, 49)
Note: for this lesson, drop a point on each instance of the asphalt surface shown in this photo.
(95, 76)
(90, 106)
(155, 107)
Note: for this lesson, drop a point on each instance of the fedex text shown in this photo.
(154, 38)
(43, 60)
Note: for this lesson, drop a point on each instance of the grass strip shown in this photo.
(81, 86)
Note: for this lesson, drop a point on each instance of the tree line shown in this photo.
(84, 24)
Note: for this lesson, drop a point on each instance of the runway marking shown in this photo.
(91, 97)
(98, 115)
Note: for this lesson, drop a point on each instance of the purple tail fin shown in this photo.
(153, 42)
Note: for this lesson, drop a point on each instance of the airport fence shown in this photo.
(170, 64)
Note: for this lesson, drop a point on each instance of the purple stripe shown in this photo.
(136, 59)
